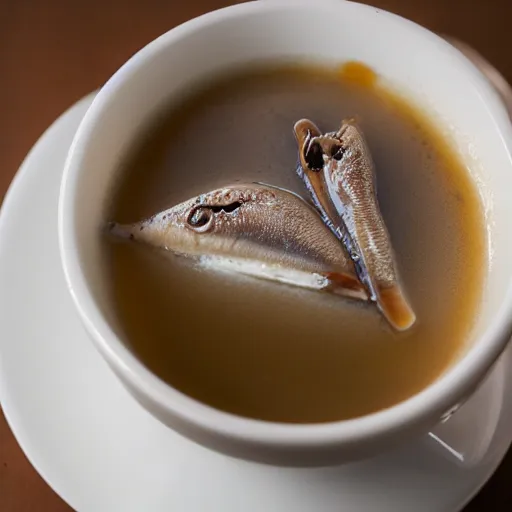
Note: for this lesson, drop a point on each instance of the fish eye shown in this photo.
(200, 218)
(314, 157)
(337, 152)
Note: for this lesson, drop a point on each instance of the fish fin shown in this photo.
(345, 284)
(395, 308)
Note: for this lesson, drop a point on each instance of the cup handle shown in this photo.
(465, 435)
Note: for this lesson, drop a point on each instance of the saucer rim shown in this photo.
(15, 423)
(15, 190)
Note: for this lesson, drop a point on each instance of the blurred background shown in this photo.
(53, 52)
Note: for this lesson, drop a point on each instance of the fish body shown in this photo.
(253, 229)
(339, 173)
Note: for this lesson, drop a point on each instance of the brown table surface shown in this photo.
(54, 52)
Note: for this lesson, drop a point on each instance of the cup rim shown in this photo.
(432, 402)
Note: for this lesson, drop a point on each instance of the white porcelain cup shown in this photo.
(412, 59)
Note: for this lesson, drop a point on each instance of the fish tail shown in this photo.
(120, 230)
(395, 307)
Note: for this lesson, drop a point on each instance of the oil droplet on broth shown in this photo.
(358, 73)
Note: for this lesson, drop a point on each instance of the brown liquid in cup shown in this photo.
(267, 350)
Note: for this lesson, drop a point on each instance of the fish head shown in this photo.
(331, 151)
(332, 162)
(321, 159)
(209, 223)
(350, 155)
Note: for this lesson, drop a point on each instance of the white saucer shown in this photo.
(102, 452)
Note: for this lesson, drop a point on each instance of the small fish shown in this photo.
(338, 171)
(254, 229)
